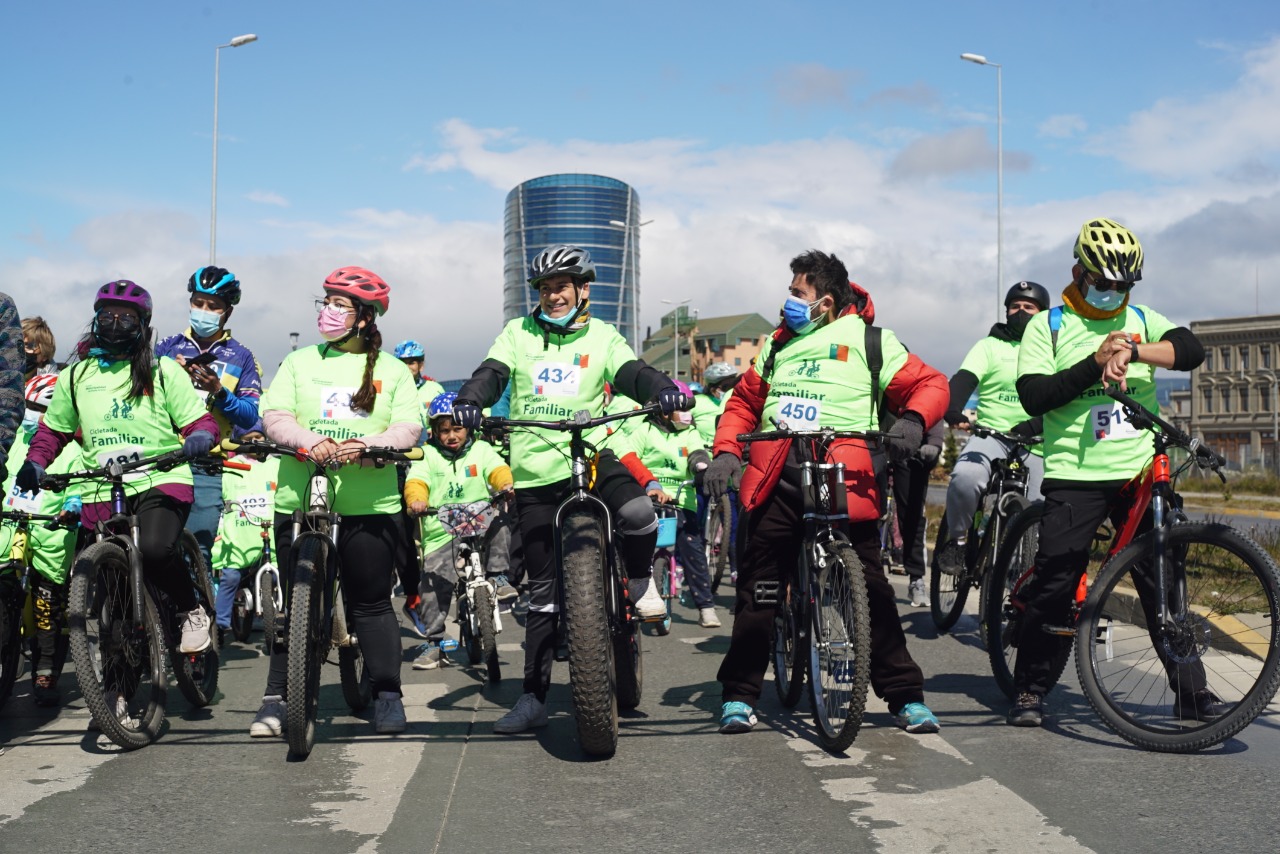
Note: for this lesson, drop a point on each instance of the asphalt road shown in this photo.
(450, 785)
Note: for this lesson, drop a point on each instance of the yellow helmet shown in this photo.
(1109, 249)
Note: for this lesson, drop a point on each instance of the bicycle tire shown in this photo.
(1233, 588)
(357, 689)
(308, 643)
(719, 528)
(110, 653)
(947, 593)
(267, 604)
(840, 649)
(468, 637)
(590, 648)
(790, 650)
(1010, 574)
(488, 631)
(197, 675)
(11, 649)
(241, 616)
(662, 576)
(628, 664)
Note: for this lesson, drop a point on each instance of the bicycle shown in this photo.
(719, 538)
(599, 631)
(316, 616)
(479, 620)
(891, 557)
(666, 572)
(121, 625)
(822, 629)
(1004, 497)
(1183, 608)
(260, 594)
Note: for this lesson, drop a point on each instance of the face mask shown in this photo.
(117, 335)
(332, 323)
(205, 324)
(30, 363)
(30, 420)
(795, 312)
(556, 321)
(1018, 321)
(1104, 300)
(681, 420)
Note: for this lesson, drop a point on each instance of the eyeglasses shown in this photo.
(1100, 284)
(123, 319)
(321, 305)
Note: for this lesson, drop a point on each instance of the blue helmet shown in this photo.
(216, 282)
(441, 405)
(410, 350)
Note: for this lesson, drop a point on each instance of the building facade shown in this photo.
(1234, 393)
(602, 215)
(735, 339)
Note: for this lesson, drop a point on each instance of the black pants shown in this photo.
(910, 489)
(367, 549)
(161, 519)
(1072, 515)
(636, 533)
(773, 537)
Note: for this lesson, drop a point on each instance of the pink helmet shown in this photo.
(684, 388)
(361, 285)
(39, 390)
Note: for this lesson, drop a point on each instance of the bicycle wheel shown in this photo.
(790, 650)
(719, 540)
(487, 629)
(840, 650)
(242, 615)
(663, 577)
(197, 675)
(1011, 573)
(267, 592)
(629, 666)
(947, 593)
(1224, 638)
(119, 664)
(590, 648)
(10, 648)
(468, 637)
(357, 690)
(308, 642)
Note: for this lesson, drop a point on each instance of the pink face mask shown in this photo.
(332, 323)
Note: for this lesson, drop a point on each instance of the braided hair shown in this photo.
(367, 394)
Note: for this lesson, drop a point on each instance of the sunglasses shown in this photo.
(124, 319)
(1100, 284)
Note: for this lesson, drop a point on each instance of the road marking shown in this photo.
(49, 761)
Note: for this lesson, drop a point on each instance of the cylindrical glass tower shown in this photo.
(580, 210)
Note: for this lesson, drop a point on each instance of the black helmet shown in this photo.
(561, 259)
(216, 282)
(1028, 290)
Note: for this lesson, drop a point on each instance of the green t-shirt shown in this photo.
(666, 454)
(457, 481)
(239, 541)
(552, 378)
(706, 409)
(116, 426)
(317, 388)
(51, 550)
(822, 379)
(1089, 439)
(427, 392)
(995, 364)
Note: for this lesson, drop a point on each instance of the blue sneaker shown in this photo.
(416, 625)
(916, 717)
(736, 717)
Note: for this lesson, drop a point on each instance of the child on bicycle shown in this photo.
(668, 451)
(128, 404)
(455, 469)
(336, 399)
(248, 500)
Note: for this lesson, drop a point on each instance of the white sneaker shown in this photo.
(117, 702)
(919, 594)
(195, 632)
(527, 713)
(269, 721)
(707, 618)
(644, 594)
(388, 713)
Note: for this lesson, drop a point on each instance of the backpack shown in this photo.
(1055, 323)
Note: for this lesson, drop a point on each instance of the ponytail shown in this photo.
(365, 398)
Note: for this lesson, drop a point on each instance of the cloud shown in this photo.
(814, 85)
(265, 197)
(915, 95)
(1062, 126)
(952, 153)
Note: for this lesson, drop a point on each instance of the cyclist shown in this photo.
(225, 371)
(818, 355)
(39, 347)
(718, 380)
(558, 359)
(991, 367)
(1091, 452)
(126, 402)
(414, 357)
(238, 547)
(12, 365)
(336, 399)
(455, 469)
(667, 451)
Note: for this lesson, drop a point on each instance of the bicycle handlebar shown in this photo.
(115, 469)
(988, 432)
(581, 420)
(375, 455)
(822, 433)
(1141, 417)
(52, 520)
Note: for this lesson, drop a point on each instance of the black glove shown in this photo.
(197, 444)
(929, 455)
(672, 398)
(467, 414)
(1027, 429)
(724, 473)
(905, 437)
(29, 477)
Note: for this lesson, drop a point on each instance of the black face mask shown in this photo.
(1018, 321)
(116, 334)
(31, 363)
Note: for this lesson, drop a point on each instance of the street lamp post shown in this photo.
(628, 230)
(1275, 418)
(213, 214)
(982, 60)
(675, 353)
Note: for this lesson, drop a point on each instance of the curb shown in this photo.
(1228, 631)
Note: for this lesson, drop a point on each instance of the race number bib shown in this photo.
(799, 413)
(556, 379)
(256, 508)
(123, 454)
(1109, 422)
(21, 502)
(335, 404)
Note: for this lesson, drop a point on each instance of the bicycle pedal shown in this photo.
(1060, 631)
(766, 593)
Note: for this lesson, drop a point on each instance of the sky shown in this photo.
(387, 134)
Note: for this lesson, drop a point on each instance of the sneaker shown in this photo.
(644, 595)
(707, 618)
(45, 691)
(388, 713)
(503, 589)
(115, 700)
(950, 558)
(527, 713)
(736, 717)
(1203, 706)
(269, 721)
(431, 656)
(916, 717)
(195, 632)
(1028, 710)
(919, 595)
(416, 625)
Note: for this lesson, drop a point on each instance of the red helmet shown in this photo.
(361, 286)
(39, 390)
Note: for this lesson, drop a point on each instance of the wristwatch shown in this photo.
(1133, 350)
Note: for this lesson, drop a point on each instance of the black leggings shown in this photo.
(367, 549)
(161, 519)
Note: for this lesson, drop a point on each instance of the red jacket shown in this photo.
(916, 387)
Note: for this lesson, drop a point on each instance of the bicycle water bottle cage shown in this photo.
(766, 593)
